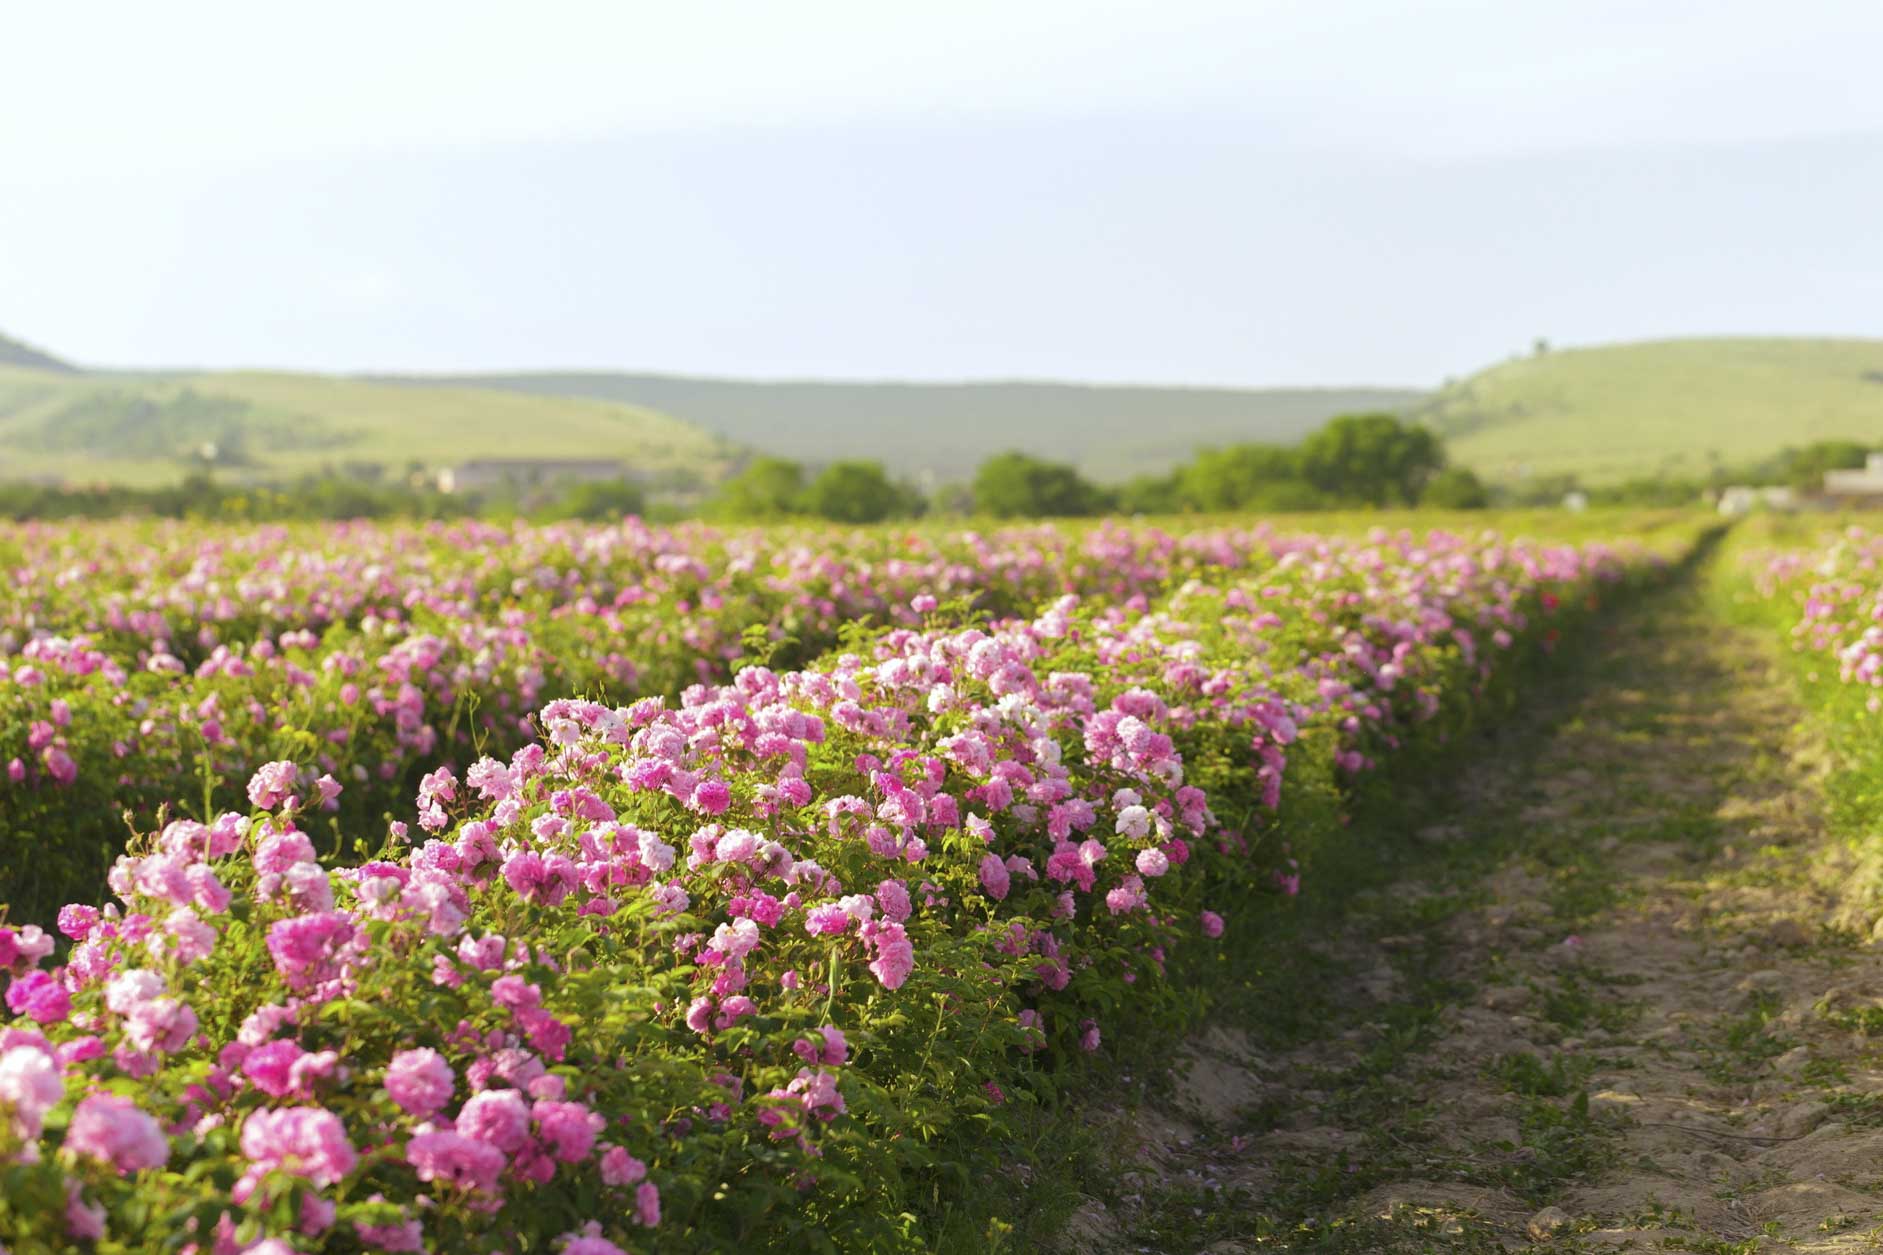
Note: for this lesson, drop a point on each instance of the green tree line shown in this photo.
(1354, 461)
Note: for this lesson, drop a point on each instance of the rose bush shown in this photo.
(1832, 595)
(730, 969)
(135, 659)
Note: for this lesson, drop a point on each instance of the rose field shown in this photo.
(598, 888)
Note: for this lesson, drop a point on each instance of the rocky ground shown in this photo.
(1625, 1001)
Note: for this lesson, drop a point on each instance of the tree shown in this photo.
(594, 502)
(1455, 488)
(1242, 477)
(858, 492)
(1804, 468)
(1372, 459)
(1015, 485)
(767, 488)
(1152, 494)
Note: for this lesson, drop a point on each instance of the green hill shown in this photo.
(944, 431)
(146, 429)
(15, 353)
(1603, 413)
(1660, 407)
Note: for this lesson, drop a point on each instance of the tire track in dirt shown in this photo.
(1644, 1023)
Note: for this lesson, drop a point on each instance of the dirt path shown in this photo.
(1623, 1003)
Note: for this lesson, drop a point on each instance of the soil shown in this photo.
(1627, 1004)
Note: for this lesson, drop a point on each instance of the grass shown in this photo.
(1604, 413)
(1660, 407)
(1578, 1002)
(145, 429)
(1746, 1043)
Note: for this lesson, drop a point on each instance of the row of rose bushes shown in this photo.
(1832, 594)
(147, 656)
(731, 971)
(139, 590)
(1821, 586)
(153, 667)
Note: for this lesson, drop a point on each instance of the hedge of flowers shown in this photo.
(732, 969)
(148, 666)
(1837, 592)
(183, 589)
(134, 659)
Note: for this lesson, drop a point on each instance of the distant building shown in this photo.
(527, 473)
(1853, 488)
(1744, 498)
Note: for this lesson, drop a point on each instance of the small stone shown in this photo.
(1567, 953)
(1789, 933)
(1547, 1223)
(1792, 1061)
(1090, 1228)
(1801, 1119)
(1842, 997)
(1613, 1100)
(1309, 1139)
(1506, 997)
(1637, 1239)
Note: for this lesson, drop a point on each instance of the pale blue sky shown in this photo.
(1343, 191)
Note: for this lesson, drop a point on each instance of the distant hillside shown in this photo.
(945, 430)
(1603, 414)
(151, 428)
(15, 353)
(1660, 407)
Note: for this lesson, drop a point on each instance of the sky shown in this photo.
(1260, 192)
